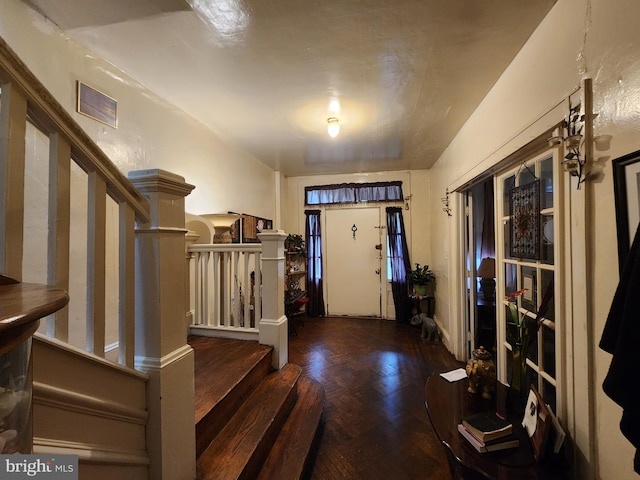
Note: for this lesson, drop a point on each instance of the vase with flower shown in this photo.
(522, 332)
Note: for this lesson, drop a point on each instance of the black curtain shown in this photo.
(313, 239)
(400, 264)
(488, 244)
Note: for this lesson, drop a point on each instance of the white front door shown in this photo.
(353, 264)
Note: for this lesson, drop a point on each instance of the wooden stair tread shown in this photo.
(226, 372)
(220, 365)
(242, 445)
(292, 451)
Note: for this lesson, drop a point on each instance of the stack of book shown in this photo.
(488, 432)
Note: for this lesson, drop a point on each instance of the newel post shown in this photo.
(161, 348)
(273, 324)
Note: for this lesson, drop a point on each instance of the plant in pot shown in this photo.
(421, 277)
(294, 243)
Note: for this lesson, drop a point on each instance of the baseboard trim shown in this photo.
(49, 395)
(151, 364)
(87, 453)
(225, 332)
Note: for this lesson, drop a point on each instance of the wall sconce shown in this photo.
(577, 135)
(445, 202)
(333, 127)
(574, 161)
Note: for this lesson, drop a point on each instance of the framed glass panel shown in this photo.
(549, 350)
(510, 278)
(546, 239)
(507, 239)
(532, 351)
(526, 175)
(546, 183)
(524, 211)
(529, 282)
(508, 184)
(547, 283)
(532, 377)
(549, 394)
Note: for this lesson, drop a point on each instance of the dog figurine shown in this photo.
(482, 373)
(430, 329)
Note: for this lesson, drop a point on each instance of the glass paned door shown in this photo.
(531, 282)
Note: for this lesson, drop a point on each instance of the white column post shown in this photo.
(273, 324)
(161, 348)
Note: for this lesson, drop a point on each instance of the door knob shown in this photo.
(377, 271)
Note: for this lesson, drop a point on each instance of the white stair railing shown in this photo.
(226, 289)
(237, 291)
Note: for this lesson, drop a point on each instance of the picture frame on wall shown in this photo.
(96, 105)
(252, 226)
(249, 229)
(626, 188)
(524, 210)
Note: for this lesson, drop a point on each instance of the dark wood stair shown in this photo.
(252, 422)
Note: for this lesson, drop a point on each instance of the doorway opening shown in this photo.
(480, 257)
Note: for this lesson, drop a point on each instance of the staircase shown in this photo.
(252, 422)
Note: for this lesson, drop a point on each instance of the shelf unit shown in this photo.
(295, 288)
(296, 270)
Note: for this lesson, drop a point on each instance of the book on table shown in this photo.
(502, 443)
(487, 426)
(537, 422)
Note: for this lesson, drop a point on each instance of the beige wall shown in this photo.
(151, 133)
(579, 39)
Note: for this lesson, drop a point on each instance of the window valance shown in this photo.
(350, 193)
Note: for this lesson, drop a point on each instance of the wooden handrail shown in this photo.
(22, 305)
(26, 102)
(49, 116)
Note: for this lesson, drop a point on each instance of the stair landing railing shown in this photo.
(237, 291)
(226, 289)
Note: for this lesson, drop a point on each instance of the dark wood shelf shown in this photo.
(297, 272)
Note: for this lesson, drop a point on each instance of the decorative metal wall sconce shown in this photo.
(574, 161)
(445, 202)
(576, 138)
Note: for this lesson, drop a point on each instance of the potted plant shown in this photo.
(421, 277)
(294, 243)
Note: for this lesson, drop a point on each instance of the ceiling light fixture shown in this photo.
(333, 127)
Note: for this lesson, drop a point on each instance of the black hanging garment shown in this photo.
(621, 338)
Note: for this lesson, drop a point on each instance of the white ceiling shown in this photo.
(262, 73)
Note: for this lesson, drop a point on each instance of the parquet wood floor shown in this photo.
(373, 372)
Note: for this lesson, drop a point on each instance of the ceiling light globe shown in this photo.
(333, 127)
